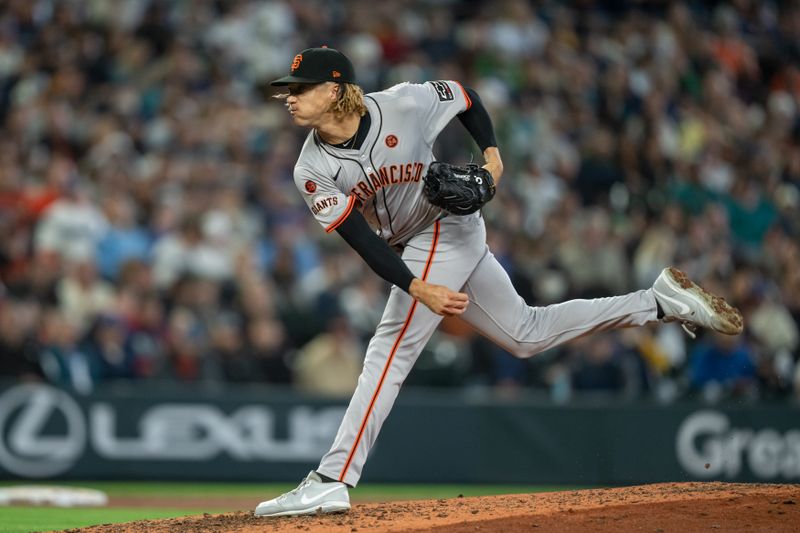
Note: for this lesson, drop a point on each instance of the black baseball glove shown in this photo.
(458, 190)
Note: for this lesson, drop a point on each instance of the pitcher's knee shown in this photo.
(523, 351)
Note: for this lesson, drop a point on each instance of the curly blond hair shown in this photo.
(351, 100)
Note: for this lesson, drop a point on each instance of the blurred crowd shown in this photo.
(150, 228)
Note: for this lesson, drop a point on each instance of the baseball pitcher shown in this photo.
(367, 172)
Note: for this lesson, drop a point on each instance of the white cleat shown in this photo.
(311, 496)
(683, 301)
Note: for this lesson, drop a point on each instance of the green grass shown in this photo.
(365, 492)
(172, 489)
(25, 519)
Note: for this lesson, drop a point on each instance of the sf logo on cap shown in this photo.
(296, 62)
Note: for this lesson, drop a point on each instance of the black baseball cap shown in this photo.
(315, 65)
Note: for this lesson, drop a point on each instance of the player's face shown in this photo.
(308, 102)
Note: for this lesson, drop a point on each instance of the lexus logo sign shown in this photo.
(42, 431)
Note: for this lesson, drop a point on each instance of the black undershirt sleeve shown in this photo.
(374, 250)
(477, 121)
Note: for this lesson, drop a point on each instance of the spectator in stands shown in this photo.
(188, 252)
(146, 339)
(73, 225)
(330, 364)
(60, 358)
(82, 295)
(268, 345)
(600, 364)
(186, 341)
(721, 367)
(19, 357)
(125, 239)
(227, 346)
(105, 348)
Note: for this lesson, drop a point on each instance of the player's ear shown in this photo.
(335, 90)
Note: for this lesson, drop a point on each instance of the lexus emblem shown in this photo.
(42, 431)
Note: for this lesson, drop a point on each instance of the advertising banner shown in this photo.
(261, 435)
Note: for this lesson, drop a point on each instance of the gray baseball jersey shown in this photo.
(383, 179)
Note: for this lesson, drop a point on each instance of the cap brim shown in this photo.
(286, 80)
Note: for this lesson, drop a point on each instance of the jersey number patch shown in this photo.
(443, 90)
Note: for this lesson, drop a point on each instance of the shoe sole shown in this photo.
(731, 322)
(326, 508)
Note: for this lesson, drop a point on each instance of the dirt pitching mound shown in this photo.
(664, 507)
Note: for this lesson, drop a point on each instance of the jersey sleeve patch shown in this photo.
(325, 201)
(443, 90)
(323, 205)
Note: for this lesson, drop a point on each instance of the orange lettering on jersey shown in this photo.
(366, 190)
(355, 192)
(296, 62)
(407, 176)
(387, 176)
(376, 183)
(384, 176)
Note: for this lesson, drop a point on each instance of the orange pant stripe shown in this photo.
(391, 355)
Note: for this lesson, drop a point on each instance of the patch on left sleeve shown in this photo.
(443, 90)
